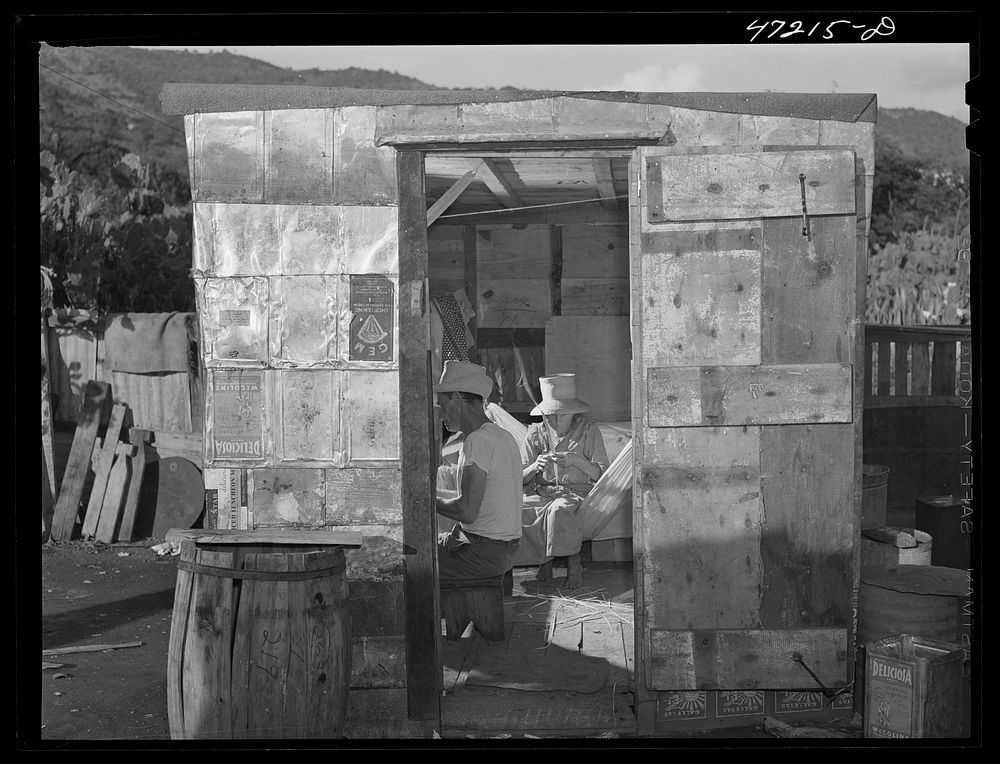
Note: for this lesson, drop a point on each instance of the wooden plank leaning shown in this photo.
(114, 497)
(103, 470)
(96, 398)
(140, 439)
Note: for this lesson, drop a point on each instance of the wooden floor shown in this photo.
(565, 670)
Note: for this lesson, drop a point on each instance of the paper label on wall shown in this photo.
(237, 425)
(227, 496)
(890, 698)
(211, 505)
(684, 705)
(844, 700)
(739, 702)
(372, 318)
(233, 318)
(790, 702)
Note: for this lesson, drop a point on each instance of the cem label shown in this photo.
(372, 322)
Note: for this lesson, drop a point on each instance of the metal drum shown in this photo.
(919, 600)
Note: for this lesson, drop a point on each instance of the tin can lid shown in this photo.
(918, 579)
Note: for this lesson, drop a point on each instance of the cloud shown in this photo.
(685, 76)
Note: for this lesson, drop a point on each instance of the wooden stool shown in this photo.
(479, 600)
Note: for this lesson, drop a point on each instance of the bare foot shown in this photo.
(544, 572)
(574, 571)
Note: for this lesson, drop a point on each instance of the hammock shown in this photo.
(611, 493)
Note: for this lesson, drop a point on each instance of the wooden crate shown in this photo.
(611, 550)
(913, 689)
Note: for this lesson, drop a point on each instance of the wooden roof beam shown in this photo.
(605, 184)
(497, 183)
(449, 196)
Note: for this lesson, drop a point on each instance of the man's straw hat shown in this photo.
(559, 396)
(464, 377)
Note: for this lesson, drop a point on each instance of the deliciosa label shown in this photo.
(237, 447)
(902, 674)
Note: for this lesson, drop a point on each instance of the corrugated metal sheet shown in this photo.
(72, 361)
(159, 401)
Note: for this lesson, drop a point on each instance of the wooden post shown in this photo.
(47, 451)
(943, 369)
(472, 285)
(48, 459)
(423, 624)
(555, 268)
(902, 365)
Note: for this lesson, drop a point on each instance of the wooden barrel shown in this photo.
(259, 643)
(919, 600)
(892, 545)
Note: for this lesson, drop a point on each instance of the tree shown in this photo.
(115, 245)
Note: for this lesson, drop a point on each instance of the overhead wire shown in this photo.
(119, 103)
(532, 207)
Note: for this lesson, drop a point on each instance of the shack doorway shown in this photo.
(528, 275)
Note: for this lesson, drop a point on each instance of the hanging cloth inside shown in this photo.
(454, 341)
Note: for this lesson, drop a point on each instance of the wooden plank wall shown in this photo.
(519, 276)
(598, 350)
(807, 473)
(783, 504)
(271, 206)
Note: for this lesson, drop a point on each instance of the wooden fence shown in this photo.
(916, 419)
(913, 365)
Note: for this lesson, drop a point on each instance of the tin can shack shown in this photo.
(698, 259)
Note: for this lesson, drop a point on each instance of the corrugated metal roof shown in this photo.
(192, 98)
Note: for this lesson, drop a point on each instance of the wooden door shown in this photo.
(746, 317)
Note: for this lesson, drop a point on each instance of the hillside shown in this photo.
(116, 229)
(926, 137)
(90, 132)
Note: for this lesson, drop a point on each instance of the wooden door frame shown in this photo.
(424, 662)
(420, 576)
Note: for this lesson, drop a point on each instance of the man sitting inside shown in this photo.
(484, 541)
(564, 458)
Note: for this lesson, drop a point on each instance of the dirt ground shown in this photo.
(93, 595)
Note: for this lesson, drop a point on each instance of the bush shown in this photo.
(114, 246)
(918, 279)
(919, 223)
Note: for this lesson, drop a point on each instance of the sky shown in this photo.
(928, 76)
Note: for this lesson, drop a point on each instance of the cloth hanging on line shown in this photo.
(454, 342)
(143, 343)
